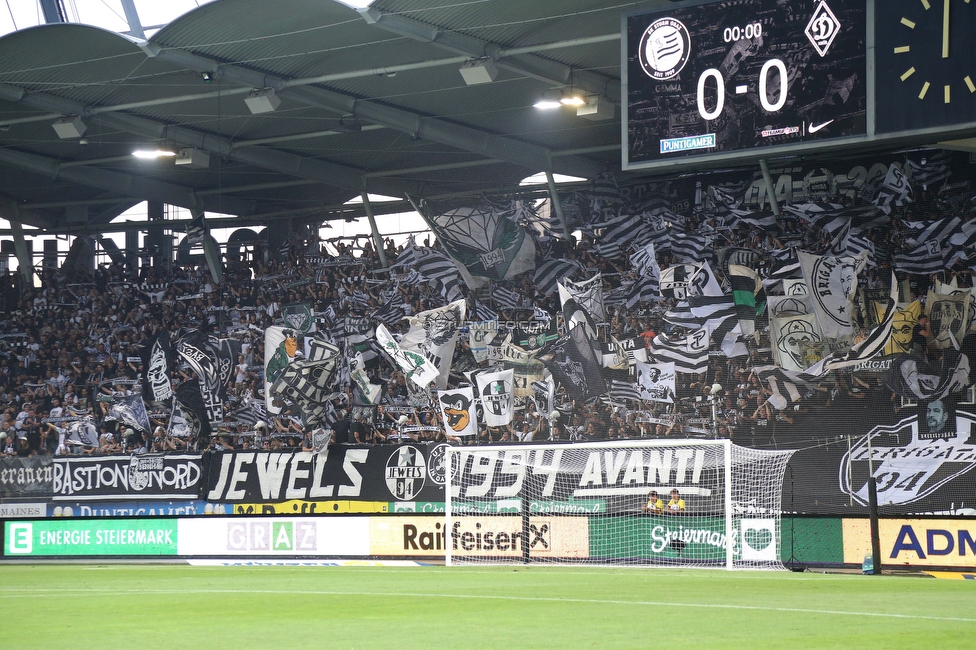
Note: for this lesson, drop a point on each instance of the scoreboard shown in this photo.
(751, 78)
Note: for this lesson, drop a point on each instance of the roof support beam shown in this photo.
(135, 186)
(324, 172)
(528, 65)
(531, 156)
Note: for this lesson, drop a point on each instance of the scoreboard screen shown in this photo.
(742, 74)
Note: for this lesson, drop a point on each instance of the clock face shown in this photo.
(926, 64)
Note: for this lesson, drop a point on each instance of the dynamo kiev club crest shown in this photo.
(664, 48)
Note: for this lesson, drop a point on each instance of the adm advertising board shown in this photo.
(914, 542)
(722, 78)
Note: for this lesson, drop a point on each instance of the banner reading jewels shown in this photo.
(25, 477)
(404, 472)
(150, 476)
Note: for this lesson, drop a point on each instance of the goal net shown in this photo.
(678, 503)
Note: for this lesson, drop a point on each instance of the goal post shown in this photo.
(675, 503)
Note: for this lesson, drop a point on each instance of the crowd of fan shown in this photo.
(72, 345)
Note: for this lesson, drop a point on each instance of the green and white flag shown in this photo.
(416, 366)
(299, 316)
(484, 241)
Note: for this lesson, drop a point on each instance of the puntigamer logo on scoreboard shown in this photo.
(674, 145)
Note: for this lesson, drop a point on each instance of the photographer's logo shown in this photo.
(21, 539)
(664, 48)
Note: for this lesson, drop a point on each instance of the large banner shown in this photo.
(149, 476)
(26, 476)
(402, 472)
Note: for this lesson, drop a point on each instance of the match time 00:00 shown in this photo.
(750, 31)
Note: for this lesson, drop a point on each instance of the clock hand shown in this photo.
(945, 29)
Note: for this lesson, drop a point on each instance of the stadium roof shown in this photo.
(370, 100)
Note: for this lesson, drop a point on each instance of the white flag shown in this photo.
(458, 411)
(496, 392)
(434, 334)
(832, 281)
(416, 366)
(656, 381)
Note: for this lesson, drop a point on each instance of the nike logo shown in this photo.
(816, 127)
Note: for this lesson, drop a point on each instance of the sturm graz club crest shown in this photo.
(406, 473)
(913, 458)
(664, 48)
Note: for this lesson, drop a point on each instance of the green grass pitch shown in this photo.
(177, 606)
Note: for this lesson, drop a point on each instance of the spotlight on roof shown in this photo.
(262, 100)
(70, 126)
(549, 100)
(158, 151)
(479, 71)
(573, 98)
(206, 76)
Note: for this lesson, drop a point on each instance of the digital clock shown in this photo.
(726, 77)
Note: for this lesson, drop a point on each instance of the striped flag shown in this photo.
(784, 385)
(719, 313)
(931, 170)
(391, 313)
(688, 354)
(434, 265)
(674, 280)
(551, 271)
(505, 298)
(483, 312)
(932, 248)
(689, 249)
(624, 391)
(746, 291)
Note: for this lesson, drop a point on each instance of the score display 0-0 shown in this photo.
(728, 77)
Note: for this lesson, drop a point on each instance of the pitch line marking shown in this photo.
(20, 593)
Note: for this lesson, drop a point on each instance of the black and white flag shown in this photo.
(588, 294)
(196, 351)
(550, 272)
(434, 334)
(156, 385)
(131, 410)
(895, 190)
(833, 284)
(688, 354)
(573, 364)
(656, 381)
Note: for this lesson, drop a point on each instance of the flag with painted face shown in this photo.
(434, 334)
(905, 320)
(458, 411)
(832, 282)
(496, 390)
(281, 346)
(656, 381)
